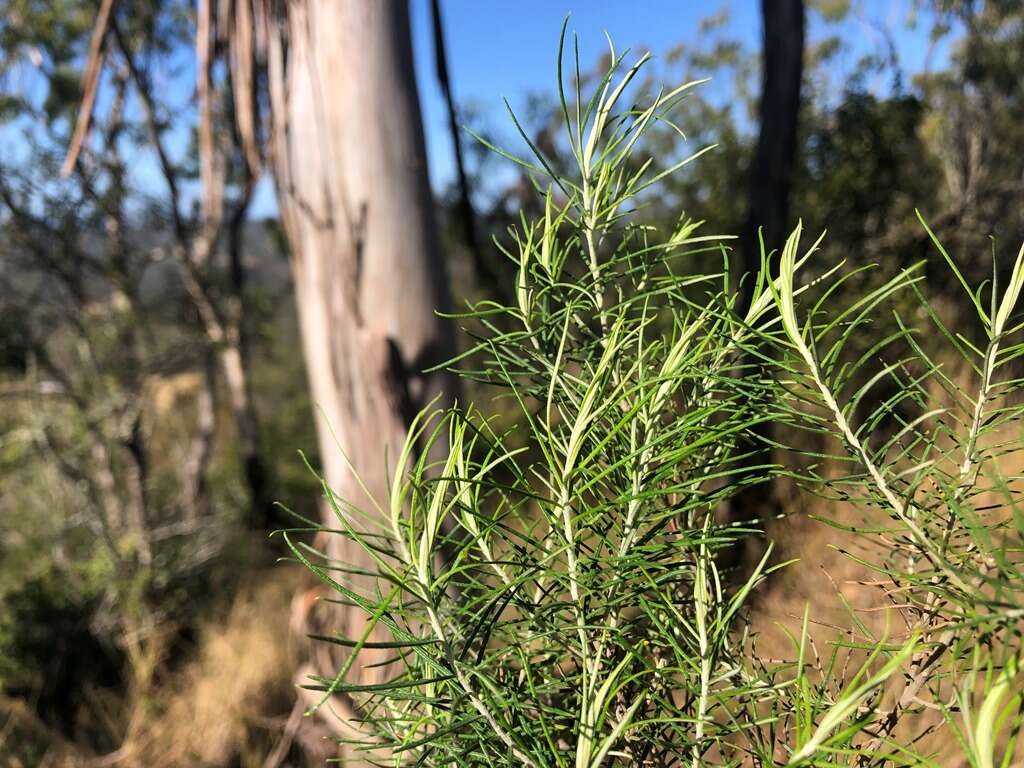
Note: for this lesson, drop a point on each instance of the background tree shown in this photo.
(128, 483)
(103, 329)
(772, 167)
(770, 182)
(221, 153)
(349, 162)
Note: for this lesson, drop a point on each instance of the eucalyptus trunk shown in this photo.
(350, 165)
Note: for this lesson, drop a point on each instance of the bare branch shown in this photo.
(90, 85)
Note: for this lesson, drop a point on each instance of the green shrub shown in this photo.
(552, 594)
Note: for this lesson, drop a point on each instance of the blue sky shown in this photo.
(503, 49)
(500, 48)
(506, 49)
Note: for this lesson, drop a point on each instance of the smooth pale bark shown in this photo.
(358, 212)
(197, 460)
(350, 166)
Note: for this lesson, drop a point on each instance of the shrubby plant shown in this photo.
(552, 593)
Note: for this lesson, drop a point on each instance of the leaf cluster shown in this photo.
(551, 593)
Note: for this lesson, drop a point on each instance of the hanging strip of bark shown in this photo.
(90, 85)
(242, 62)
(210, 175)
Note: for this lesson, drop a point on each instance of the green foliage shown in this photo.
(48, 649)
(930, 458)
(555, 596)
(862, 166)
(546, 635)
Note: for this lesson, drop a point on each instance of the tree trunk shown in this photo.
(771, 171)
(351, 172)
(237, 366)
(197, 461)
(771, 178)
(194, 251)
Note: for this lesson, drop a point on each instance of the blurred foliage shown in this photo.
(48, 646)
(124, 521)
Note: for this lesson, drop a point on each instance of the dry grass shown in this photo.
(229, 705)
(823, 578)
